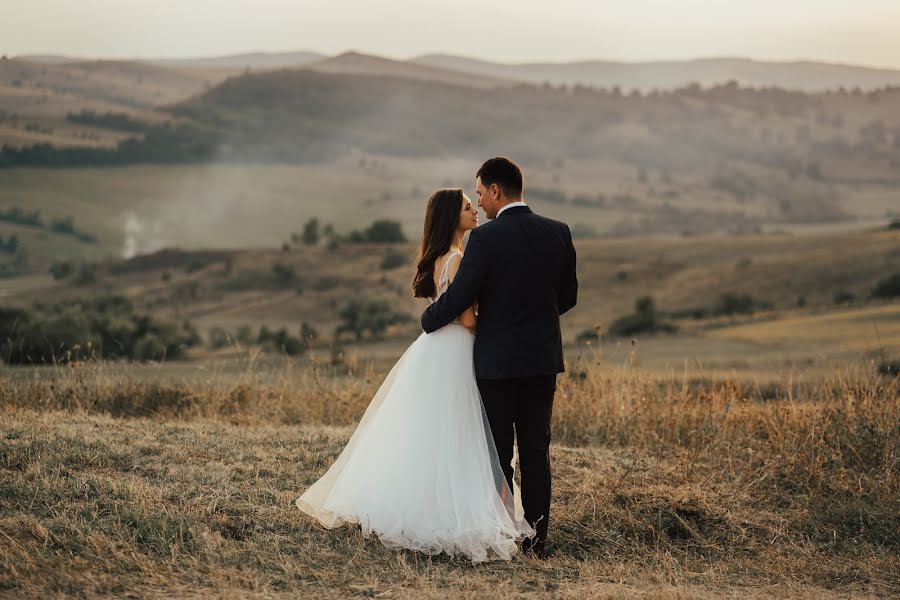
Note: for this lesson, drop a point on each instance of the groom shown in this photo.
(520, 269)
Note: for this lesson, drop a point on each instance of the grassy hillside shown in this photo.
(304, 113)
(35, 97)
(809, 296)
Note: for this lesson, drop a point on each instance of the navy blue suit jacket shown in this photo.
(520, 269)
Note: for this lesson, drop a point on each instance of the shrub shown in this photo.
(280, 341)
(284, 275)
(310, 235)
(244, 335)
(738, 304)
(218, 338)
(281, 276)
(61, 270)
(107, 327)
(889, 287)
(384, 232)
(889, 367)
(86, 274)
(149, 347)
(363, 315)
(9, 246)
(844, 297)
(393, 259)
(644, 320)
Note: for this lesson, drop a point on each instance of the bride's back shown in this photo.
(441, 274)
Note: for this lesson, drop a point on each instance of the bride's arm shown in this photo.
(467, 318)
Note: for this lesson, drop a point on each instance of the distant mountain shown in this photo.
(254, 60)
(46, 58)
(804, 76)
(808, 76)
(355, 63)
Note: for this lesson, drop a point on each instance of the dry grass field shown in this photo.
(113, 485)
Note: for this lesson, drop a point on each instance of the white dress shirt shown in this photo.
(510, 205)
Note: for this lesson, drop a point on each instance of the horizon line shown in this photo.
(783, 61)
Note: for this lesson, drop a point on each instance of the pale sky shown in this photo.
(847, 31)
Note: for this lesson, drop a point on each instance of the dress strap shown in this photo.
(445, 271)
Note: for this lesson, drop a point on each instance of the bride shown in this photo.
(421, 470)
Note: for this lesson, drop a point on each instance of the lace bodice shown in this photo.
(444, 279)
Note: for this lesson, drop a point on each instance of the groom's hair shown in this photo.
(505, 173)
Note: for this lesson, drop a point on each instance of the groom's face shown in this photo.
(488, 198)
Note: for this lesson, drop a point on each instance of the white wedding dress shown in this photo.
(421, 470)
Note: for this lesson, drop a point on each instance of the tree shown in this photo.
(311, 232)
(385, 232)
(363, 315)
(889, 287)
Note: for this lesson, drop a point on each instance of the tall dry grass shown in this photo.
(675, 481)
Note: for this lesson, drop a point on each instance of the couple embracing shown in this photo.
(430, 465)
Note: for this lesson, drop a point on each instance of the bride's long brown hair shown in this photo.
(441, 221)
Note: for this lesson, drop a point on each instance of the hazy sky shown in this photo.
(850, 31)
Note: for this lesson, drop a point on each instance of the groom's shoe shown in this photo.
(535, 548)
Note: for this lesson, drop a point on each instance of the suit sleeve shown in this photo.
(463, 291)
(568, 290)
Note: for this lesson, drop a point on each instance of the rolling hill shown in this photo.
(808, 76)
(354, 63)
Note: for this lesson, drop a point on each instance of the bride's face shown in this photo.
(468, 216)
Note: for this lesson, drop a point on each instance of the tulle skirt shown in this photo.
(421, 471)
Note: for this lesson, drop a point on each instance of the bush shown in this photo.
(387, 232)
(218, 338)
(889, 287)
(310, 235)
(86, 274)
(280, 341)
(111, 120)
(844, 297)
(690, 313)
(104, 328)
(61, 270)
(20, 217)
(738, 304)
(644, 320)
(149, 347)
(279, 277)
(363, 315)
(890, 368)
(393, 259)
(284, 275)
(10, 246)
(308, 334)
(244, 335)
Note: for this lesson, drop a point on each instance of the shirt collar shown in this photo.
(510, 205)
